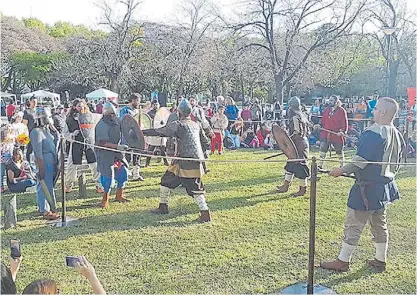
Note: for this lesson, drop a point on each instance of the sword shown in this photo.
(47, 194)
(344, 175)
(273, 156)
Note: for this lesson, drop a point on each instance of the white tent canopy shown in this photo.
(102, 93)
(5, 94)
(40, 94)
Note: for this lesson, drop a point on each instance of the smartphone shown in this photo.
(15, 251)
(72, 260)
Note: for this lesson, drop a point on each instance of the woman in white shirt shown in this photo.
(18, 126)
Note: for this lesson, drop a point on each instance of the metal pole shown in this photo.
(407, 122)
(388, 62)
(312, 232)
(64, 211)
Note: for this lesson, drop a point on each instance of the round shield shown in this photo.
(132, 133)
(145, 121)
(161, 117)
(284, 142)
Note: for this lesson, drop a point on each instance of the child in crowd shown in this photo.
(249, 139)
(6, 149)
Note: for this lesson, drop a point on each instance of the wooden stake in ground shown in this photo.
(10, 216)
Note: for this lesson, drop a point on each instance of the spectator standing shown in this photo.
(414, 114)
(220, 122)
(256, 114)
(231, 112)
(10, 110)
(29, 121)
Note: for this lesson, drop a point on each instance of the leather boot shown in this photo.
(284, 188)
(105, 201)
(337, 265)
(162, 209)
(119, 196)
(301, 192)
(377, 265)
(205, 216)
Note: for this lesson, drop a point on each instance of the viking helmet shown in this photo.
(184, 108)
(294, 103)
(43, 116)
(109, 108)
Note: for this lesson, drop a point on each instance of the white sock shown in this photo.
(201, 202)
(164, 193)
(288, 176)
(135, 172)
(346, 252)
(322, 158)
(381, 251)
(342, 159)
(303, 182)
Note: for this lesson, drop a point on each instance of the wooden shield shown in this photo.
(285, 143)
(132, 133)
(145, 121)
(161, 118)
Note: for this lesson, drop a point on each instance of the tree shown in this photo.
(398, 48)
(290, 32)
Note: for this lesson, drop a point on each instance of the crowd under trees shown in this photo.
(270, 49)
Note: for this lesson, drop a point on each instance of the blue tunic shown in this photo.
(378, 143)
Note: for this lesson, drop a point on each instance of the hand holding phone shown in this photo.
(15, 251)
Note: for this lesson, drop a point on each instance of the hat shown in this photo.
(184, 108)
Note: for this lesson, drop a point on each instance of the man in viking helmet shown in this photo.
(181, 172)
(46, 160)
(112, 165)
(298, 132)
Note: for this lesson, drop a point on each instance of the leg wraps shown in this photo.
(381, 251)
(201, 202)
(346, 252)
(303, 182)
(288, 176)
(164, 194)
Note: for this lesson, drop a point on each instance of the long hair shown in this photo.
(44, 286)
(7, 284)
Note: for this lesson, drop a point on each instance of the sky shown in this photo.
(86, 11)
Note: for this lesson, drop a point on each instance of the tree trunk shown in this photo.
(180, 87)
(392, 83)
(242, 88)
(279, 88)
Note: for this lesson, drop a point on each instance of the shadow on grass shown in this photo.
(323, 276)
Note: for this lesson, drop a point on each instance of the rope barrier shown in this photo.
(233, 161)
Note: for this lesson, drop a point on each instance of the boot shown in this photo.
(105, 201)
(377, 265)
(301, 192)
(162, 209)
(205, 216)
(284, 188)
(119, 196)
(337, 265)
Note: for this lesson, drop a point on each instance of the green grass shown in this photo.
(257, 242)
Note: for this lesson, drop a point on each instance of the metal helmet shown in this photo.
(294, 103)
(109, 108)
(43, 116)
(184, 108)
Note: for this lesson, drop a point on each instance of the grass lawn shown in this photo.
(257, 242)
